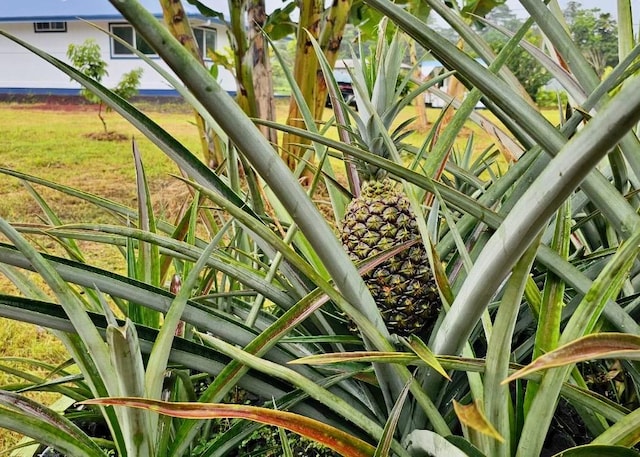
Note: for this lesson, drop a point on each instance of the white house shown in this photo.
(432, 69)
(52, 25)
(437, 97)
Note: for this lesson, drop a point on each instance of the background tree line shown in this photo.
(594, 31)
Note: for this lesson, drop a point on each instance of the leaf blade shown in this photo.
(340, 441)
(590, 347)
(471, 416)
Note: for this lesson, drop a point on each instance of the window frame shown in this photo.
(203, 46)
(50, 28)
(113, 43)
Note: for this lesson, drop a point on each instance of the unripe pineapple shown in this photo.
(380, 218)
(403, 286)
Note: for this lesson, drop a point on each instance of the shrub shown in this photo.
(551, 98)
(87, 57)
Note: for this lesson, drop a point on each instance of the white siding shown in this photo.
(20, 69)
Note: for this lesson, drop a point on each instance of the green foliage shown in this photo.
(279, 23)
(529, 71)
(87, 58)
(549, 241)
(286, 48)
(128, 86)
(595, 33)
(480, 8)
(551, 98)
(526, 68)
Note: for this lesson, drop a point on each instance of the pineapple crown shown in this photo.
(378, 90)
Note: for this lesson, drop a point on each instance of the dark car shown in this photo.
(343, 78)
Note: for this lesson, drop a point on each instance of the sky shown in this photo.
(608, 6)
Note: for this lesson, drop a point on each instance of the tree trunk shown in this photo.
(262, 76)
(240, 45)
(330, 40)
(176, 20)
(304, 71)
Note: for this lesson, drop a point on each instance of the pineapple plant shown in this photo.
(380, 217)
(537, 271)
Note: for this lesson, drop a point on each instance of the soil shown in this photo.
(567, 430)
(107, 136)
(74, 103)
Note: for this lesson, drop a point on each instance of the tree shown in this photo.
(326, 24)
(595, 33)
(531, 74)
(87, 58)
(286, 49)
(262, 73)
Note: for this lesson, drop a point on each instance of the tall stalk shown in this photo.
(261, 74)
(241, 49)
(305, 68)
(175, 17)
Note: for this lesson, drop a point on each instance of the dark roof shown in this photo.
(70, 10)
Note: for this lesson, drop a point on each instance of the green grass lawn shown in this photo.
(53, 144)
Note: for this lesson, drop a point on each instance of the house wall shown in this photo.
(23, 72)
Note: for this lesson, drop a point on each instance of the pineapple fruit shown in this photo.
(380, 218)
(403, 286)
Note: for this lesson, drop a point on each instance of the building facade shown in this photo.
(52, 25)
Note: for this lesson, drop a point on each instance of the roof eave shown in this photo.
(103, 17)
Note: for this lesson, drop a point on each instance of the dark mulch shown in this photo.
(107, 136)
(77, 103)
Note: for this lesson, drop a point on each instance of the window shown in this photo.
(44, 27)
(206, 39)
(127, 33)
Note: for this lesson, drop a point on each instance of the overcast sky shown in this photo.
(605, 5)
(608, 6)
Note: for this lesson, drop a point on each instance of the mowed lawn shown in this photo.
(52, 142)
